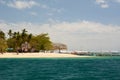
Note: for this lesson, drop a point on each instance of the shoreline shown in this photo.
(40, 55)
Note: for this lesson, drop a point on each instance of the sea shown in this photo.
(89, 68)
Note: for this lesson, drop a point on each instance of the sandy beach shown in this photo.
(38, 55)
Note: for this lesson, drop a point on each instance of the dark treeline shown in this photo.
(25, 42)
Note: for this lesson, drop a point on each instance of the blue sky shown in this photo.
(81, 24)
(62, 10)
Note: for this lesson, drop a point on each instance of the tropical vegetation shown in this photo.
(27, 42)
(3, 43)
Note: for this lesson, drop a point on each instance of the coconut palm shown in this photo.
(24, 35)
(2, 35)
(10, 33)
(29, 37)
(3, 44)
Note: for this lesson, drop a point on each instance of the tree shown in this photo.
(41, 42)
(10, 33)
(20, 40)
(29, 37)
(24, 35)
(2, 35)
(3, 44)
(17, 39)
(13, 41)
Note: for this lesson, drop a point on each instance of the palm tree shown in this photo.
(24, 35)
(3, 44)
(18, 39)
(29, 37)
(10, 33)
(2, 35)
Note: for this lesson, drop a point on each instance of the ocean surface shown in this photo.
(95, 68)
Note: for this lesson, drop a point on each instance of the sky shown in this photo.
(88, 25)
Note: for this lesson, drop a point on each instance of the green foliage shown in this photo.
(16, 41)
(10, 33)
(16, 38)
(3, 44)
(41, 42)
(2, 35)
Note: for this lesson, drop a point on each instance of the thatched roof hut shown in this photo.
(59, 46)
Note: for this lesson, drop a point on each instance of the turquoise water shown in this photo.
(97, 68)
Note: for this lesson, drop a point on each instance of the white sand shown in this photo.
(38, 55)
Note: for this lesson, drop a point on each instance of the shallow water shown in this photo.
(95, 68)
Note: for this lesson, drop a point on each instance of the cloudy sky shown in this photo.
(92, 25)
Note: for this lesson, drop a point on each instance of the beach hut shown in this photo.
(59, 47)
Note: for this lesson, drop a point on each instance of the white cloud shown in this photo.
(84, 35)
(102, 3)
(2, 21)
(105, 3)
(19, 4)
(44, 6)
(27, 4)
(33, 13)
(118, 1)
(23, 4)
